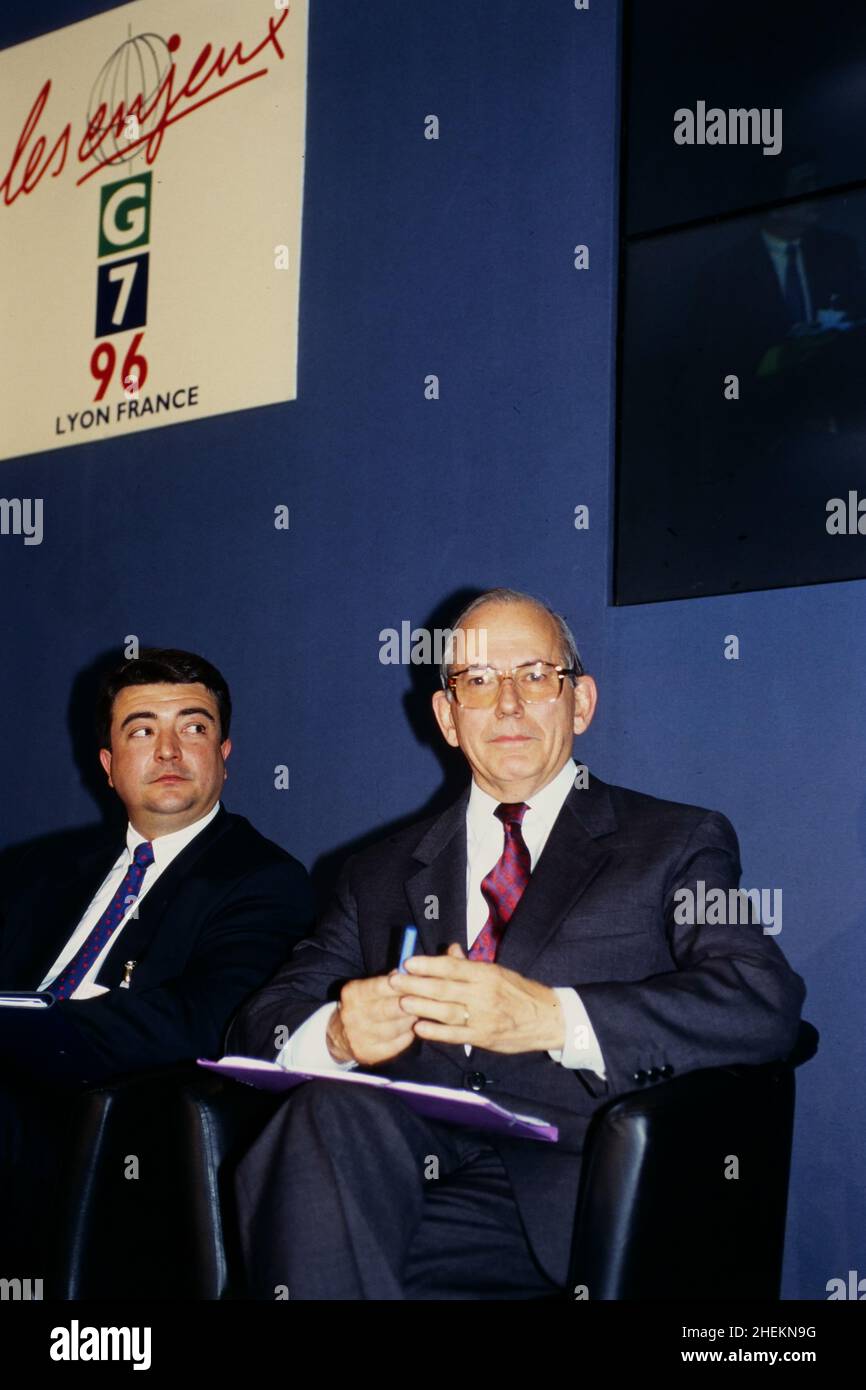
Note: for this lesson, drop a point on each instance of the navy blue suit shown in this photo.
(216, 924)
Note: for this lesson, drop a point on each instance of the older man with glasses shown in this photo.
(553, 972)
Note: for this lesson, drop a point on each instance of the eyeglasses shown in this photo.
(536, 682)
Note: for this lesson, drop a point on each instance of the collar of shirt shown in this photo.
(168, 847)
(543, 808)
(780, 244)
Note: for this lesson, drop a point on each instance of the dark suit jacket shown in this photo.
(216, 924)
(597, 914)
(739, 311)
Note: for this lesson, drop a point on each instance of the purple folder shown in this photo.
(436, 1102)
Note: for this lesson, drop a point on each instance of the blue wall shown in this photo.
(453, 257)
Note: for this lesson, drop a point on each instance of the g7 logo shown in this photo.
(122, 284)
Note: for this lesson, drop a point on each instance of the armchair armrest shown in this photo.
(684, 1187)
(142, 1210)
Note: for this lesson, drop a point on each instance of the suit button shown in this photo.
(654, 1073)
(474, 1081)
(667, 1070)
(639, 1077)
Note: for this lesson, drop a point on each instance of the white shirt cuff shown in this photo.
(581, 1051)
(307, 1048)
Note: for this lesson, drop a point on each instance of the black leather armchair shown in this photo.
(147, 1210)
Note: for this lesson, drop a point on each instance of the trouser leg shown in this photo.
(334, 1190)
(470, 1243)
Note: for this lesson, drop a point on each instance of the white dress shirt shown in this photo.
(485, 840)
(165, 849)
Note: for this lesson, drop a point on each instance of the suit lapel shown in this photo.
(440, 885)
(569, 862)
(45, 939)
(442, 880)
(140, 930)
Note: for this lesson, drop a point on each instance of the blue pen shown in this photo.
(410, 940)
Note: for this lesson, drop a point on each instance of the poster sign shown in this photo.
(151, 183)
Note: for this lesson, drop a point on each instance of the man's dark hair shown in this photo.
(161, 666)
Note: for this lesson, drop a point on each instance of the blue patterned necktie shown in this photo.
(72, 974)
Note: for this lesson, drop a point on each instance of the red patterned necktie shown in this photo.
(68, 981)
(503, 887)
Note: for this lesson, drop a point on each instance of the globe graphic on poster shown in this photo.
(130, 78)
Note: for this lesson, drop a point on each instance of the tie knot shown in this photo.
(143, 855)
(511, 812)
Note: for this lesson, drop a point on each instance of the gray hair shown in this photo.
(568, 646)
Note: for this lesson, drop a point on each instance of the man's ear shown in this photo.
(105, 759)
(585, 701)
(225, 749)
(444, 712)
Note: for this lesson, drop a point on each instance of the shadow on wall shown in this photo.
(66, 844)
(455, 777)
